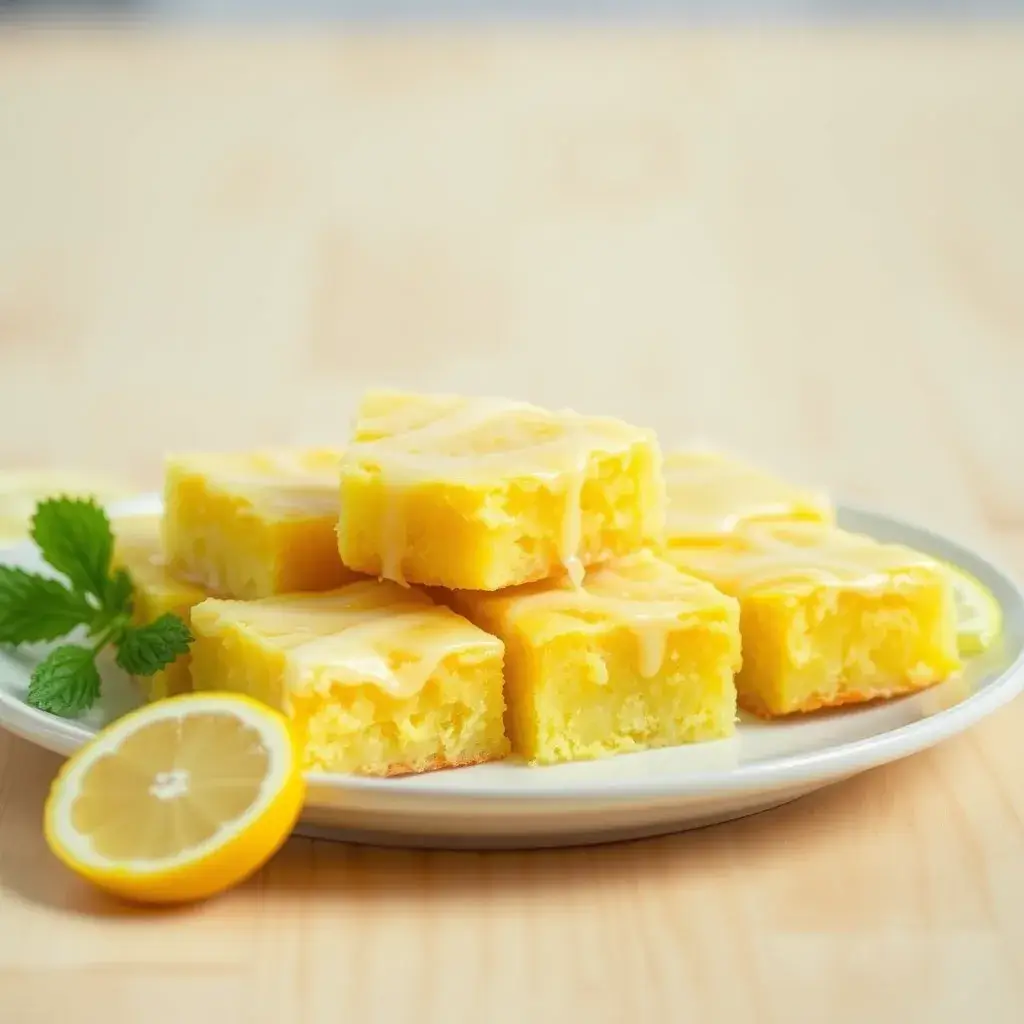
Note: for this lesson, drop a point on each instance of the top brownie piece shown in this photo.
(482, 493)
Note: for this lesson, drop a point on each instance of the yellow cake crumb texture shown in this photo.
(375, 678)
(138, 548)
(470, 576)
(711, 493)
(254, 524)
(639, 656)
(483, 493)
(829, 617)
(794, 557)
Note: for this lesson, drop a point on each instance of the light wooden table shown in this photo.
(809, 247)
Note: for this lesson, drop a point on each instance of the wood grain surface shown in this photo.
(805, 246)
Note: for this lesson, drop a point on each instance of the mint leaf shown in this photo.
(74, 536)
(34, 608)
(143, 650)
(117, 598)
(66, 682)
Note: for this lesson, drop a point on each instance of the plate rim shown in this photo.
(62, 736)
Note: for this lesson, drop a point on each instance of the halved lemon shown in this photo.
(979, 617)
(21, 490)
(179, 800)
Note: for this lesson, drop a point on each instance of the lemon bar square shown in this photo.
(829, 617)
(376, 678)
(711, 493)
(138, 549)
(480, 494)
(640, 656)
(254, 524)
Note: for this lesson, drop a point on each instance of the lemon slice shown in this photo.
(979, 618)
(178, 800)
(20, 490)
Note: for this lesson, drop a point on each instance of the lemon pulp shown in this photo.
(979, 616)
(178, 800)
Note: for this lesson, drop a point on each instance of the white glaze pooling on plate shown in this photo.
(510, 805)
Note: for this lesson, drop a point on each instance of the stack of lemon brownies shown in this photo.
(469, 578)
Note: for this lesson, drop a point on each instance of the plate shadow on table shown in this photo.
(28, 871)
(771, 839)
(352, 875)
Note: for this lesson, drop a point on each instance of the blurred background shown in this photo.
(790, 228)
(429, 10)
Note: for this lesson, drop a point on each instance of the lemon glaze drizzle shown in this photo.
(649, 625)
(417, 453)
(649, 608)
(279, 481)
(398, 653)
(794, 556)
(362, 635)
(711, 494)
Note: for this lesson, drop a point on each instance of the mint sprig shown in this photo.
(143, 650)
(66, 682)
(75, 538)
(34, 608)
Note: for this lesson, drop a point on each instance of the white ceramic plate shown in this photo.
(513, 805)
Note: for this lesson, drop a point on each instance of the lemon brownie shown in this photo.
(711, 493)
(254, 524)
(481, 494)
(376, 678)
(138, 549)
(829, 617)
(639, 656)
